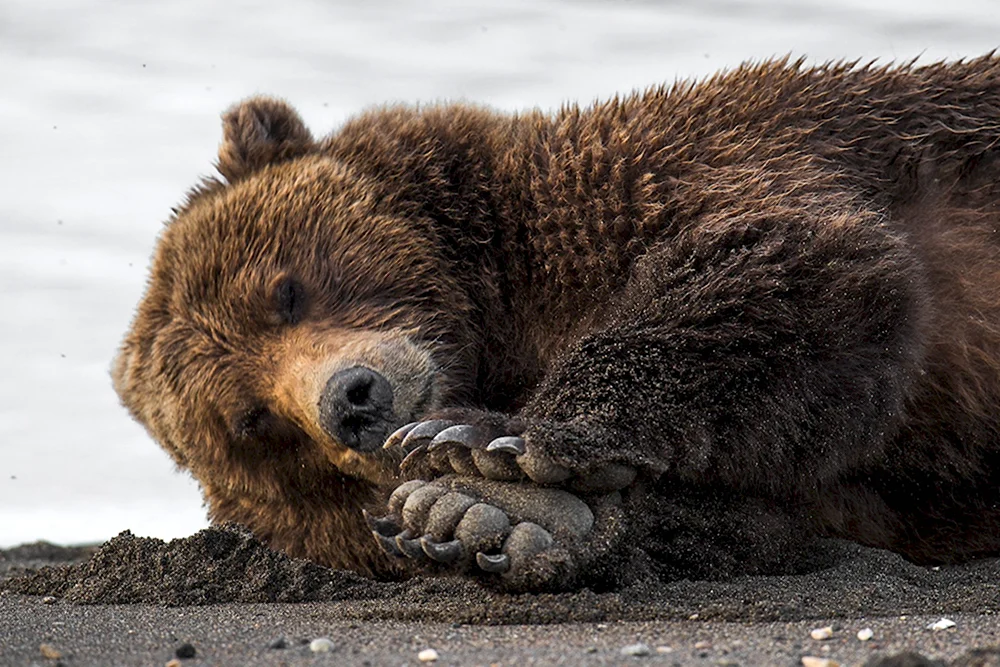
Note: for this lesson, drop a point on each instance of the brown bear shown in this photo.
(678, 332)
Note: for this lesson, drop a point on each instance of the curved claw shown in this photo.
(397, 436)
(409, 548)
(412, 457)
(425, 431)
(388, 544)
(496, 563)
(381, 525)
(461, 434)
(510, 444)
(442, 552)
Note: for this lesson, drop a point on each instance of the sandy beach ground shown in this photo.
(234, 634)
(137, 601)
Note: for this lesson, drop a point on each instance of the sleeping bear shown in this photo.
(681, 333)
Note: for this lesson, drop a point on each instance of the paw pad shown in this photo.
(477, 523)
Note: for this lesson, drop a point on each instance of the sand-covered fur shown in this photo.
(726, 315)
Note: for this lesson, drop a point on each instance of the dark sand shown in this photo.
(135, 600)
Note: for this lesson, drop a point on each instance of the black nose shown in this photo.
(356, 408)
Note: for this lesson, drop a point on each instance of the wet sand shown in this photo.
(136, 600)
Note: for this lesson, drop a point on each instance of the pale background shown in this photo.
(109, 112)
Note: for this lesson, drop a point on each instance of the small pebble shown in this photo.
(693, 617)
(703, 645)
(48, 599)
(321, 645)
(664, 649)
(49, 651)
(943, 624)
(813, 661)
(866, 634)
(822, 633)
(280, 642)
(185, 651)
(639, 649)
(428, 655)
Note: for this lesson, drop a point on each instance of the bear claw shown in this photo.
(396, 437)
(508, 444)
(496, 563)
(442, 552)
(381, 526)
(461, 434)
(424, 432)
(441, 446)
(388, 545)
(410, 547)
(412, 459)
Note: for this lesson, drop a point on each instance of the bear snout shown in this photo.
(355, 408)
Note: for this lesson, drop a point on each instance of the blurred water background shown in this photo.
(109, 112)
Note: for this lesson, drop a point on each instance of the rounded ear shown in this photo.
(260, 131)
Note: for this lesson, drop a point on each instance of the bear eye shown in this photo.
(253, 423)
(288, 300)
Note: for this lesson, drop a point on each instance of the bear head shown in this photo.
(295, 315)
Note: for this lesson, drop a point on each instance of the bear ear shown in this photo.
(260, 131)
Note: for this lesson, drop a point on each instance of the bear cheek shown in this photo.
(410, 370)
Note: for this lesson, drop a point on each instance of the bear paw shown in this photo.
(488, 449)
(531, 537)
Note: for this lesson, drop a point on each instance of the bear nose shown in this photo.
(356, 408)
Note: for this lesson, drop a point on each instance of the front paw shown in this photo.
(492, 446)
(530, 537)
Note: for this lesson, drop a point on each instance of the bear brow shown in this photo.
(194, 339)
(215, 343)
(182, 351)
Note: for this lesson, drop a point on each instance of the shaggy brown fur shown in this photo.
(779, 286)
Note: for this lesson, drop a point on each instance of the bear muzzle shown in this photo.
(355, 408)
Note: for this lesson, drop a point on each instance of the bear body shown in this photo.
(703, 323)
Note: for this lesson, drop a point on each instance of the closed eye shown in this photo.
(253, 423)
(289, 300)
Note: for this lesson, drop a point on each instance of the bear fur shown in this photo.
(775, 294)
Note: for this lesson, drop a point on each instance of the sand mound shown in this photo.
(227, 564)
(213, 566)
